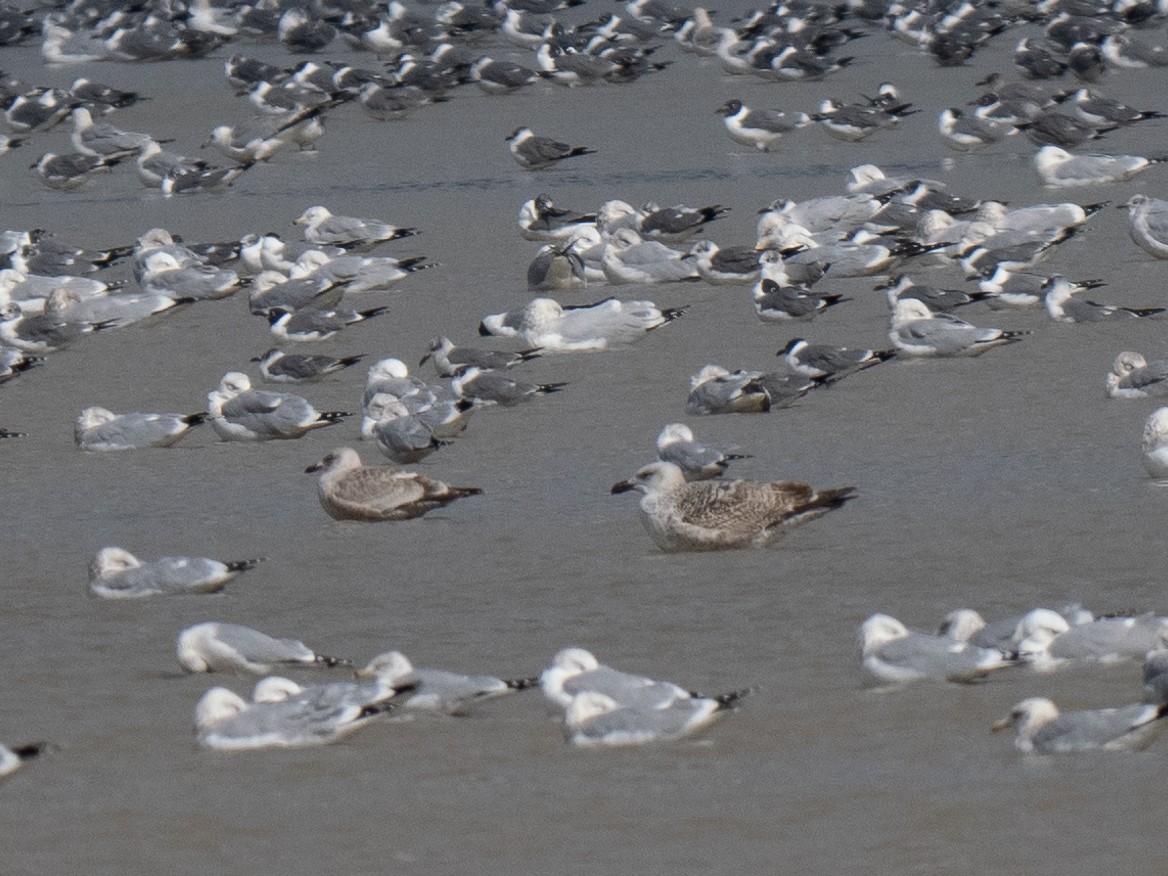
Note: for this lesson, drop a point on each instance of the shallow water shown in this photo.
(1000, 483)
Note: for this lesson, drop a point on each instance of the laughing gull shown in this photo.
(1063, 307)
(1154, 443)
(271, 291)
(536, 153)
(439, 690)
(281, 367)
(776, 303)
(501, 77)
(100, 429)
(240, 413)
(488, 388)
(760, 129)
(854, 122)
(917, 331)
(890, 652)
(14, 362)
(541, 219)
(349, 490)
(309, 324)
(966, 133)
(938, 300)
(115, 573)
(69, 172)
(349, 232)
(1148, 223)
(1041, 728)
(826, 360)
(676, 223)
(556, 266)
(545, 323)
(224, 721)
(698, 461)
(682, 515)
(1132, 376)
(449, 359)
(1102, 112)
(725, 264)
(1060, 129)
(1057, 167)
(221, 647)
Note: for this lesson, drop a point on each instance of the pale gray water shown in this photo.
(999, 483)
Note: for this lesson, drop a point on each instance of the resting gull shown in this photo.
(322, 227)
(349, 490)
(545, 323)
(14, 757)
(1041, 728)
(917, 331)
(891, 652)
(99, 429)
(1057, 167)
(115, 573)
(828, 360)
(698, 461)
(1155, 443)
(574, 671)
(439, 690)
(281, 367)
(487, 388)
(1156, 676)
(715, 515)
(448, 358)
(628, 258)
(222, 647)
(1148, 218)
(594, 719)
(532, 152)
(1062, 306)
(240, 413)
(1133, 376)
(227, 722)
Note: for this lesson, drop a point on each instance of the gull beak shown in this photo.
(622, 487)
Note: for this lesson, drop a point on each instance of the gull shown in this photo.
(917, 331)
(1047, 643)
(40, 333)
(487, 388)
(226, 722)
(722, 265)
(281, 367)
(715, 390)
(717, 515)
(1063, 307)
(630, 259)
(358, 273)
(775, 302)
(449, 359)
(154, 164)
(891, 652)
(827, 360)
(676, 223)
(556, 266)
(594, 719)
(1156, 676)
(259, 138)
(271, 290)
(545, 323)
(166, 275)
(1095, 109)
(391, 377)
(1133, 376)
(1148, 224)
(1042, 729)
(115, 573)
(102, 138)
(309, 324)
(1057, 167)
(221, 647)
(541, 219)
(937, 299)
(537, 153)
(322, 227)
(240, 413)
(760, 129)
(697, 461)
(13, 758)
(100, 429)
(439, 690)
(211, 179)
(854, 122)
(501, 77)
(966, 133)
(405, 437)
(1051, 127)
(14, 362)
(1155, 443)
(69, 172)
(350, 491)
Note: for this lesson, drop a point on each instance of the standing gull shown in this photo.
(707, 515)
(115, 573)
(1042, 729)
(532, 152)
(223, 647)
(350, 491)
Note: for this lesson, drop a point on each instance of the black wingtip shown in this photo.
(244, 565)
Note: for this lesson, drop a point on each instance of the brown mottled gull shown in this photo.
(707, 515)
(351, 491)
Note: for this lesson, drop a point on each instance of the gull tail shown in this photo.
(551, 387)
(331, 662)
(522, 683)
(196, 419)
(725, 700)
(329, 418)
(244, 565)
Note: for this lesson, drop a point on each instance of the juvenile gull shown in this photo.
(917, 331)
(322, 227)
(545, 323)
(115, 573)
(1132, 376)
(350, 491)
(240, 413)
(532, 152)
(1041, 728)
(439, 690)
(716, 515)
(1155, 443)
(698, 461)
(223, 647)
(281, 367)
(99, 429)
(1148, 224)
(226, 722)
(891, 652)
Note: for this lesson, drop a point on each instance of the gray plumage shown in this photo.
(115, 573)
(449, 359)
(1042, 729)
(222, 647)
(100, 429)
(281, 367)
(240, 413)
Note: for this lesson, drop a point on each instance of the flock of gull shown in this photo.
(901, 229)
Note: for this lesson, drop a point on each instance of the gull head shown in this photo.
(657, 477)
